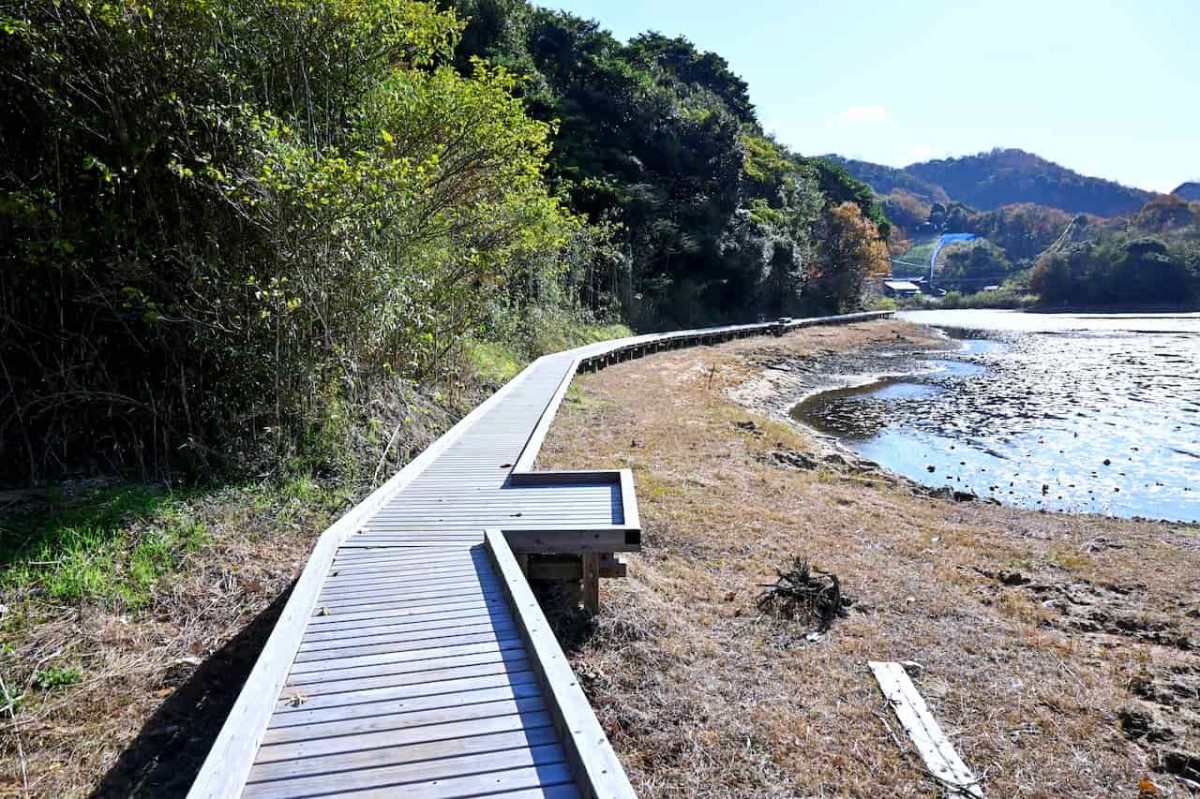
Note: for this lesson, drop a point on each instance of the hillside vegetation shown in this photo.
(1042, 254)
(1001, 177)
(1189, 191)
(712, 221)
(230, 228)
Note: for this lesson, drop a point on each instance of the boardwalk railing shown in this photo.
(411, 657)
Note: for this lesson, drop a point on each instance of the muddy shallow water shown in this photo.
(1085, 413)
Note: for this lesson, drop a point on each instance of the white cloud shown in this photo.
(863, 113)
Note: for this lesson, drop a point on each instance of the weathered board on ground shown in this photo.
(935, 748)
(411, 658)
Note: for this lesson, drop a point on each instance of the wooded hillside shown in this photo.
(227, 227)
(1002, 177)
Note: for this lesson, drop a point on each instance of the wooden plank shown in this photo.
(935, 748)
(565, 478)
(416, 625)
(533, 541)
(400, 722)
(368, 696)
(341, 618)
(416, 556)
(383, 645)
(595, 766)
(340, 627)
(331, 766)
(521, 689)
(400, 777)
(333, 687)
(391, 598)
(429, 666)
(406, 583)
(360, 665)
(463, 786)
(398, 580)
(399, 571)
(271, 753)
(429, 637)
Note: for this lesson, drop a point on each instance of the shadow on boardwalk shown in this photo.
(167, 754)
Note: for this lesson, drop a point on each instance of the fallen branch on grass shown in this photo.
(805, 592)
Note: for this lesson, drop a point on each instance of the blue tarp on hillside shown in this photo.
(948, 238)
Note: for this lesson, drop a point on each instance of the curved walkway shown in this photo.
(412, 659)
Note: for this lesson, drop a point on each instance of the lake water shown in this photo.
(1084, 412)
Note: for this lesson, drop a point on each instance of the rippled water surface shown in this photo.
(1090, 413)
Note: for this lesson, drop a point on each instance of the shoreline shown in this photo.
(1040, 636)
(771, 392)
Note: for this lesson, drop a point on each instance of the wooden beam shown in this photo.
(591, 582)
(935, 748)
(556, 542)
(562, 571)
(610, 566)
(593, 762)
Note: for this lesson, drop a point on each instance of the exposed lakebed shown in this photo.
(1083, 413)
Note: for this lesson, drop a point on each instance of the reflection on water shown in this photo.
(1084, 413)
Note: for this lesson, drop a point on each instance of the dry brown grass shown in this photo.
(156, 680)
(156, 683)
(704, 697)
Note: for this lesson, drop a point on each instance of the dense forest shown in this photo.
(1045, 256)
(227, 228)
(712, 220)
(1137, 250)
(1151, 258)
(1001, 177)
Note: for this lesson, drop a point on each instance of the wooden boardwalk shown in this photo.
(412, 659)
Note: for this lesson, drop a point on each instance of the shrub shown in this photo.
(221, 223)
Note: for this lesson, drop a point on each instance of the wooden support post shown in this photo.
(591, 582)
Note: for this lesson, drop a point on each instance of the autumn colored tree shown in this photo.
(907, 213)
(852, 253)
(1166, 214)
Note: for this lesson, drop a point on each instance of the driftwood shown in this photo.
(805, 592)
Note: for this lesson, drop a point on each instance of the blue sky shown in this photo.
(1107, 87)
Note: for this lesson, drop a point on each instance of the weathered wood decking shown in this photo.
(412, 659)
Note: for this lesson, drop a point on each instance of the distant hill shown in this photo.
(1189, 191)
(889, 179)
(1002, 177)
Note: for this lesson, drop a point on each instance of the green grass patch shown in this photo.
(919, 253)
(498, 362)
(493, 362)
(56, 677)
(554, 338)
(110, 544)
(117, 545)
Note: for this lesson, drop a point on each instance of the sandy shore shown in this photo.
(1058, 651)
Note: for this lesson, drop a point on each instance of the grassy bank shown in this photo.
(1057, 651)
(131, 614)
(1003, 298)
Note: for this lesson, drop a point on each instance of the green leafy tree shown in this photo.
(227, 222)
